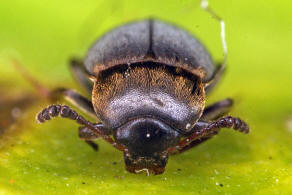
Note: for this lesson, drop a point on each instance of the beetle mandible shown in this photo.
(148, 81)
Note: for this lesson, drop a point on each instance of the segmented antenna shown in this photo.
(205, 6)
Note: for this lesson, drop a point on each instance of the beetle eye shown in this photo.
(146, 136)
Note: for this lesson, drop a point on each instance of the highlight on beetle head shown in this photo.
(147, 141)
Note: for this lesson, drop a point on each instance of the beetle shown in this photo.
(148, 81)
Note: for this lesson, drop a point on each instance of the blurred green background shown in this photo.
(44, 35)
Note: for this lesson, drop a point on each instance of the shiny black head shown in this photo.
(146, 141)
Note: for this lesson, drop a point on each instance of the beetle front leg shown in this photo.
(80, 74)
(215, 78)
(74, 98)
(66, 112)
(217, 110)
(205, 129)
(194, 143)
(88, 136)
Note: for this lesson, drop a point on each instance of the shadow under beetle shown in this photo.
(148, 83)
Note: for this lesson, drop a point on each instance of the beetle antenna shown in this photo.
(64, 111)
(205, 6)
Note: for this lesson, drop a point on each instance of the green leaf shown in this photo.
(50, 158)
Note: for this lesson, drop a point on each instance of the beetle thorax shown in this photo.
(146, 90)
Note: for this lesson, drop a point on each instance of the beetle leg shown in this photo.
(193, 144)
(217, 110)
(215, 78)
(66, 112)
(212, 112)
(74, 98)
(80, 74)
(203, 129)
(199, 125)
(92, 144)
(88, 136)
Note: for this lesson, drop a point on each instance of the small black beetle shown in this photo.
(149, 81)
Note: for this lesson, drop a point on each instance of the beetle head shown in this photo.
(147, 141)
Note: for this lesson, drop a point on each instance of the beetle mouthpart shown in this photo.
(150, 164)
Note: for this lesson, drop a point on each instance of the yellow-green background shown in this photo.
(50, 158)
